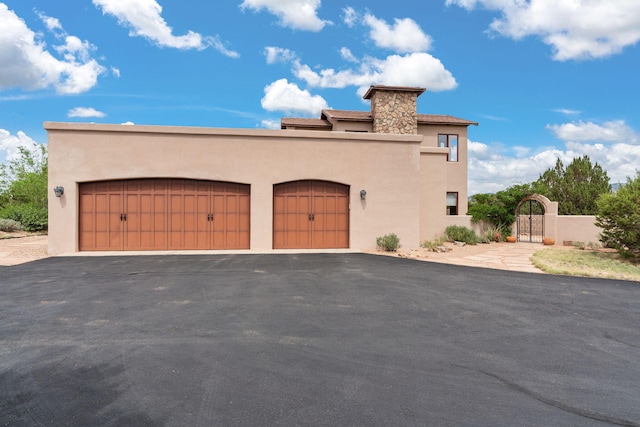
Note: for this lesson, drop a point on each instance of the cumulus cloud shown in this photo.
(270, 124)
(347, 55)
(576, 30)
(404, 36)
(289, 98)
(10, 144)
(612, 131)
(144, 17)
(411, 67)
(613, 145)
(277, 54)
(294, 14)
(85, 112)
(26, 62)
(349, 16)
(415, 69)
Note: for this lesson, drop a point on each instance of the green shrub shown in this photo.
(432, 244)
(492, 234)
(619, 217)
(459, 233)
(32, 217)
(9, 225)
(388, 242)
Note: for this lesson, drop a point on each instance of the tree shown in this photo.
(576, 187)
(619, 217)
(23, 188)
(498, 209)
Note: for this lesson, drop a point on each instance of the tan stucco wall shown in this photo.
(386, 166)
(576, 228)
(440, 176)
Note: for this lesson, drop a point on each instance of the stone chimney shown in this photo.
(394, 108)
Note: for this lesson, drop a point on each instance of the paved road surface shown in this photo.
(333, 339)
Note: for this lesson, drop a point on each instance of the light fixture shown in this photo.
(59, 191)
(363, 194)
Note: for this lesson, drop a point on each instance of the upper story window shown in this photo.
(450, 142)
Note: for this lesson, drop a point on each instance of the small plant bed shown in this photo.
(604, 263)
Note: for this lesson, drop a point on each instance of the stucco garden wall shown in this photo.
(574, 228)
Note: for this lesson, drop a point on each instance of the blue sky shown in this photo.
(544, 78)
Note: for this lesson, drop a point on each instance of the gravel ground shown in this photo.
(18, 248)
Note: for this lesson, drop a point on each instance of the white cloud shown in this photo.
(567, 111)
(415, 69)
(347, 55)
(612, 131)
(85, 112)
(27, 64)
(270, 124)
(289, 98)
(613, 145)
(404, 36)
(575, 29)
(115, 71)
(52, 24)
(350, 16)
(144, 17)
(277, 54)
(10, 144)
(294, 14)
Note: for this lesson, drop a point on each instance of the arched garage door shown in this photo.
(310, 214)
(163, 214)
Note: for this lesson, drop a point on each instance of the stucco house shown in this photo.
(338, 181)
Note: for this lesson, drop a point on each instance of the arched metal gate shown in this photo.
(530, 221)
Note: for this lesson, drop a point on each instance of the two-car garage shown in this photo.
(183, 214)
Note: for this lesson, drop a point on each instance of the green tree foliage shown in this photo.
(619, 217)
(576, 187)
(23, 188)
(498, 209)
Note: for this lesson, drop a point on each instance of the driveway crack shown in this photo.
(557, 404)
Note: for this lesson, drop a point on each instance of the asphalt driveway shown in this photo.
(315, 339)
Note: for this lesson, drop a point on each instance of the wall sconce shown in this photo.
(59, 191)
(363, 194)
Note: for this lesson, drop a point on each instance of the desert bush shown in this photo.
(432, 244)
(32, 217)
(9, 225)
(388, 242)
(492, 234)
(459, 233)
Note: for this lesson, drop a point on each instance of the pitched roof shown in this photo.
(439, 119)
(330, 117)
(319, 124)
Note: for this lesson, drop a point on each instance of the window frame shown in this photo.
(447, 144)
(448, 207)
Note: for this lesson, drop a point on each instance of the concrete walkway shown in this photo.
(502, 256)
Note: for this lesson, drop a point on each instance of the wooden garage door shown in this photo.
(163, 214)
(310, 214)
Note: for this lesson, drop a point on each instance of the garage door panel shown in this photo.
(163, 214)
(311, 214)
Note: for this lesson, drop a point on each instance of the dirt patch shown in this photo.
(21, 247)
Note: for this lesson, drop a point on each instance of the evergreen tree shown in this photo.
(576, 187)
(619, 217)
